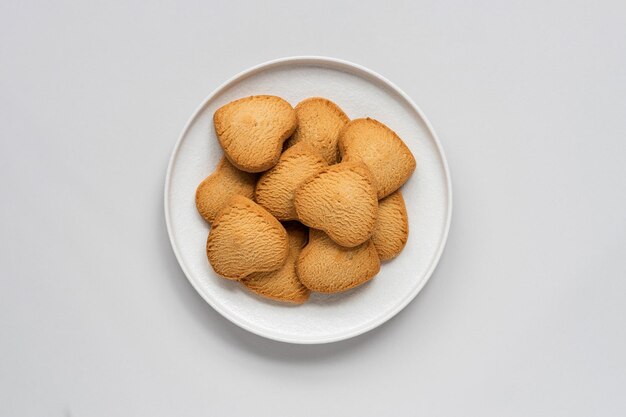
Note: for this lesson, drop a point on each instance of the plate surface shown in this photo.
(324, 318)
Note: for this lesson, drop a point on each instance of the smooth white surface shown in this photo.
(324, 318)
(525, 315)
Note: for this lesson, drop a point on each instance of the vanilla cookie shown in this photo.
(252, 131)
(245, 238)
(276, 188)
(324, 266)
(283, 284)
(385, 154)
(340, 200)
(392, 226)
(216, 189)
(319, 123)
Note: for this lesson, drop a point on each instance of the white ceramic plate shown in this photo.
(324, 318)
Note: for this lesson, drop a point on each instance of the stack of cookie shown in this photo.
(303, 199)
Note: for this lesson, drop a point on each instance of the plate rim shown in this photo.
(320, 60)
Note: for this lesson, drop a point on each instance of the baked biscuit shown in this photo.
(392, 226)
(245, 238)
(319, 123)
(283, 284)
(216, 189)
(276, 188)
(340, 200)
(385, 154)
(252, 131)
(324, 266)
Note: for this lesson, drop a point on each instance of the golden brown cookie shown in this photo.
(283, 284)
(392, 226)
(319, 123)
(245, 238)
(340, 200)
(326, 267)
(252, 130)
(385, 154)
(276, 188)
(216, 189)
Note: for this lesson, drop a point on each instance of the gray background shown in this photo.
(524, 316)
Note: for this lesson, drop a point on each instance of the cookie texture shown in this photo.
(381, 149)
(319, 123)
(327, 267)
(283, 284)
(392, 226)
(216, 189)
(252, 130)
(340, 200)
(276, 188)
(245, 238)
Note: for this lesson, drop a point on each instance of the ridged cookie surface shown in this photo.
(245, 238)
(252, 130)
(283, 284)
(340, 200)
(392, 226)
(319, 123)
(385, 154)
(326, 267)
(276, 188)
(216, 189)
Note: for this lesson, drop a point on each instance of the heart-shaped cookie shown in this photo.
(252, 130)
(216, 189)
(276, 188)
(385, 154)
(340, 200)
(319, 123)
(245, 238)
(326, 267)
(283, 284)
(392, 226)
